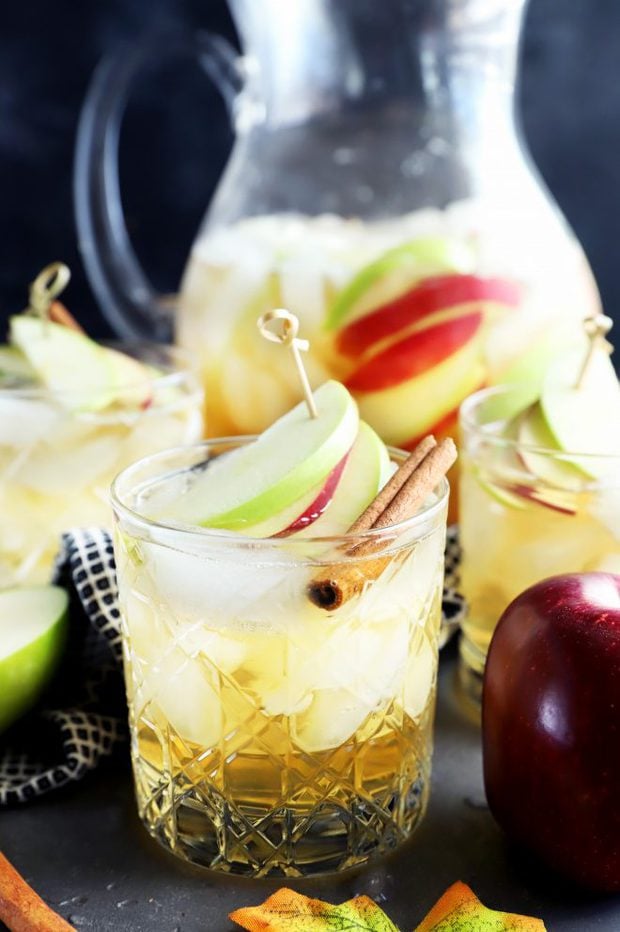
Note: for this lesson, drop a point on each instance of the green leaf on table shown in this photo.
(460, 910)
(287, 911)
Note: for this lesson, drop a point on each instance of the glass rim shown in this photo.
(177, 370)
(489, 431)
(427, 514)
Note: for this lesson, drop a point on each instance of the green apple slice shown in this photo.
(14, 367)
(367, 470)
(132, 380)
(395, 271)
(66, 361)
(586, 420)
(292, 456)
(534, 434)
(33, 630)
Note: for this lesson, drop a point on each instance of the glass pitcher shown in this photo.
(379, 189)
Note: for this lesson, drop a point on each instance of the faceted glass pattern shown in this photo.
(270, 736)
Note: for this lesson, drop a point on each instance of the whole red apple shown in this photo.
(551, 725)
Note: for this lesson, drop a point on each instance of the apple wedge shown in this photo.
(416, 354)
(367, 469)
(429, 301)
(66, 361)
(395, 271)
(534, 435)
(586, 420)
(295, 454)
(33, 629)
(411, 408)
(303, 512)
(132, 381)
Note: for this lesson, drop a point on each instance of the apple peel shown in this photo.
(460, 910)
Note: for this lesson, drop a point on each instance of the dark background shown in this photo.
(176, 137)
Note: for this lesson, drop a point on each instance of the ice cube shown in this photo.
(420, 675)
(240, 593)
(182, 693)
(333, 716)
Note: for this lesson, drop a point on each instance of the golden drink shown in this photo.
(268, 735)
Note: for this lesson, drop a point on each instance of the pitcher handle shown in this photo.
(127, 298)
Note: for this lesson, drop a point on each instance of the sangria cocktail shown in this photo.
(72, 414)
(540, 494)
(280, 672)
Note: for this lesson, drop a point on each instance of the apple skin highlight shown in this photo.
(551, 725)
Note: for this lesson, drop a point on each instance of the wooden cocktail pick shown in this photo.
(280, 326)
(44, 290)
(596, 329)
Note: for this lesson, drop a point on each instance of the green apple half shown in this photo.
(33, 630)
(292, 456)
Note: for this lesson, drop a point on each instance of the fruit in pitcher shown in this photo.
(33, 630)
(415, 354)
(415, 406)
(431, 301)
(550, 725)
(394, 272)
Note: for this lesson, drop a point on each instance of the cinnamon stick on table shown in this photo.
(399, 500)
(23, 910)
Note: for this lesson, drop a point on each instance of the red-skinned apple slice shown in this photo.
(394, 272)
(411, 408)
(302, 513)
(366, 471)
(549, 498)
(443, 293)
(245, 487)
(314, 511)
(416, 354)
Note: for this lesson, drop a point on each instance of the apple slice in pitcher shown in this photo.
(396, 271)
(288, 460)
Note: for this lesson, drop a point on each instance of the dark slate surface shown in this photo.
(86, 853)
(177, 139)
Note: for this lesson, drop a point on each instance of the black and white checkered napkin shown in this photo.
(84, 715)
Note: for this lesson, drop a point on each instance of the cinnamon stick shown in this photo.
(394, 484)
(59, 314)
(413, 483)
(23, 910)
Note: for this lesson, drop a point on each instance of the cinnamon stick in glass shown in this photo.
(400, 499)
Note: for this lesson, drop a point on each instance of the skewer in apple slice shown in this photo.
(265, 477)
(81, 373)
